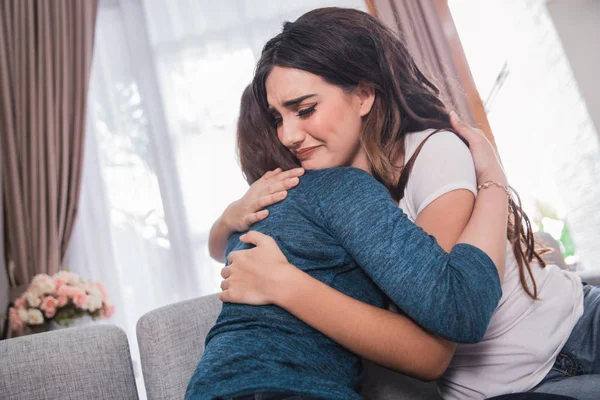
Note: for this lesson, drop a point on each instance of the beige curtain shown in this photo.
(45, 58)
(429, 33)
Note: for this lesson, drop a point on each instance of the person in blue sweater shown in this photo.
(339, 89)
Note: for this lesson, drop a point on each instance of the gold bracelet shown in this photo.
(487, 184)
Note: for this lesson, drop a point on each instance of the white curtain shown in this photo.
(160, 160)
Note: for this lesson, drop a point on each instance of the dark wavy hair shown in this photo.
(346, 47)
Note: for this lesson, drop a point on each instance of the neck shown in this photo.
(361, 162)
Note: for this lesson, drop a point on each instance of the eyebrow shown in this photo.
(293, 102)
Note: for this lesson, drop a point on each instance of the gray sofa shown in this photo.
(171, 342)
(77, 363)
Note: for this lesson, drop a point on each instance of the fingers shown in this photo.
(225, 296)
(270, 174)
(277, 185)
(254, 237)
(253, 218)
(456, 122)
(465, 130)
(291, 173)
(232, 256)
(273, 189)
(230, 296)
(226, 272)
(271, 199)
(224, 284)
(290, 183)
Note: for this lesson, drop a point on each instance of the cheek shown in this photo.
(338, 127)
(316, 127)
(347, 126)
(279, 133)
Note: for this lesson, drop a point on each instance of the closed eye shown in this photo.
(306, 111)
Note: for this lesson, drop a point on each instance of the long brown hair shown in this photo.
(259, 150)
(346, 47)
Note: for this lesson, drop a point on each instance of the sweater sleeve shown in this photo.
(452, 295)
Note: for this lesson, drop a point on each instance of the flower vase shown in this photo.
(33, 329)
(84, 320)
(54, 326)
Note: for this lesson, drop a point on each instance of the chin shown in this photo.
(317, 164)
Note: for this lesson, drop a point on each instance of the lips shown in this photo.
(306, 152)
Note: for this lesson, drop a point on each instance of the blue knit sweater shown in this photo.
(341, 226)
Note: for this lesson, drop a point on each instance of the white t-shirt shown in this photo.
(524, 336)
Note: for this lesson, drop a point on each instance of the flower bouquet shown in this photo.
(58, 299)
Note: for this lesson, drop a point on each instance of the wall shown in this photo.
(578, 26)
(540, 115)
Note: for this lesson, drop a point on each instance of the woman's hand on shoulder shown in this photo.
(270, 189)
(485, 157)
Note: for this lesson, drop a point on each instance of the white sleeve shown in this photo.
(443, 165)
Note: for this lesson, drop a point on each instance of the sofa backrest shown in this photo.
(75, 363)
(171, 342)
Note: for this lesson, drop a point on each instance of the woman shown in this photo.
(333, 233)
(536, 327)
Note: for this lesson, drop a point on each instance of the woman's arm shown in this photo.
(487, 227)
(240, 215)
(389, 339)
(452, 295)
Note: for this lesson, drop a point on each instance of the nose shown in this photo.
(290, 134)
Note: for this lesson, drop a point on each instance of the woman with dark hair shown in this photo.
(360, 243)
(312, 80)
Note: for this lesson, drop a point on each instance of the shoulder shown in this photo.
(340, 176)
(444, 164)
(340, 182)
(442, 142)
(443, 153)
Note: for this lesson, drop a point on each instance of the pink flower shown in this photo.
(69, 277)
(63, 290)
(79, 299)
(109, 310)
(43, 283)
(34, 290)
(14, 320)
(62, 300)
(35, 317)
(20, 302)
(68, 291)
(32, 299)
(48, 306)
(102, 290)
(41, 278)
(60, 283)
(50, 312)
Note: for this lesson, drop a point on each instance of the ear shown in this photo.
(366, 97)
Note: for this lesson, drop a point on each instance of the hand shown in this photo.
(258, 275)
(485, 158)
(270, 189)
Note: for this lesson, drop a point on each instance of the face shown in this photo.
(320, 123)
